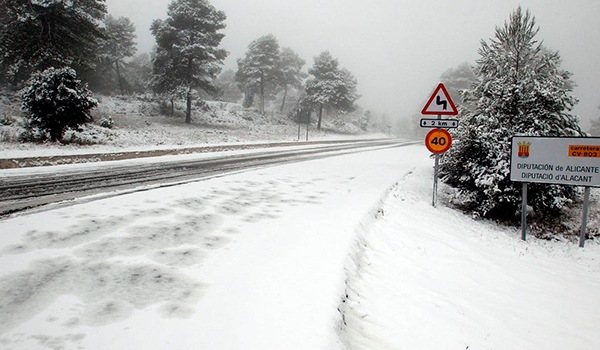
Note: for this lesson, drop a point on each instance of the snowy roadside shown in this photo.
(426, 278)
(174, 158)
(253, 260)
(46, 155)
(309, 255)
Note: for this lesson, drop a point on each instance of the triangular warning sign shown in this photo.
(440, 103)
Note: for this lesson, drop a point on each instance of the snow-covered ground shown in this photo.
(343, 252)
(143, 125)
(426, 278)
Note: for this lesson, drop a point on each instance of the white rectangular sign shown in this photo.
(438, 123)
(556, 160)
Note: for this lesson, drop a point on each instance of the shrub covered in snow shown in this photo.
(520, 90)
(55, 100)
(21, 130)
(87, 134)
(108, 123)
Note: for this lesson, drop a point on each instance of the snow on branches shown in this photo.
(56, 100)
(520, 90)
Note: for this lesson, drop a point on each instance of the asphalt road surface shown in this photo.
(22, 193)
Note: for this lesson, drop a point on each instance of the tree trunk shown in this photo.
(262, 92)
(119, 77)
(248, 98)
(320, 117)
(188, 111)
(284, 96)
(172, 106)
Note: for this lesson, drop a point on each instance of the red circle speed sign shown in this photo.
(438, 141)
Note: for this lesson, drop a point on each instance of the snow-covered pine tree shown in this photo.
(35, 35)
(330, 87)
(55, 100)
(520, 90)
(457, 80)
(118, 44)
(245, 84)
(188, 55)
(228, 87)
(260, 70)
(139, 72)
(291, 72)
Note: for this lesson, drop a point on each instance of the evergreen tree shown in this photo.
(139, 72)
(330, 87)
(291, 72)
(520, 90)
(245, 84)
(188, 56)
(228, 87)
(35, 35)
(457, 80)
(595, 128)
(260, 70)
(55, 100)
(118, 45)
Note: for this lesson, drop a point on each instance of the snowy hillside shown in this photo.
(142, 123)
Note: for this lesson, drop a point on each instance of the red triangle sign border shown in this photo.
(453, 110)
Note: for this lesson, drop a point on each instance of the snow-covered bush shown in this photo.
(54, 100)
(108, 123)
(202, 105)
(20, 130)
(87, 134)
(520, 90)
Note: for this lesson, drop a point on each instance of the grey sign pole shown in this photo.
(299, 124)
(435, 175)
(586, 203)
(307, 124)
(524, 213)
(435, 179)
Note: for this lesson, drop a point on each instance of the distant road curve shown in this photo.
(20, 193)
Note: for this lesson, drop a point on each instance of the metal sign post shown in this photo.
(307, 124)
(586, 203)
(299, 124)
(435, 174)
(524, 213)
(435, 180)
(437, 141)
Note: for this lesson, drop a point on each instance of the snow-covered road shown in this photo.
(344, 252)
(249, 261)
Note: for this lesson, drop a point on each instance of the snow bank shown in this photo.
(427, 278)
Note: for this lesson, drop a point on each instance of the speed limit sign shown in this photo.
(438, 141)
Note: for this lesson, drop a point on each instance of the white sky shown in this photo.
(398, 49)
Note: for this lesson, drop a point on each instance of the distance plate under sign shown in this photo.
(439, 123)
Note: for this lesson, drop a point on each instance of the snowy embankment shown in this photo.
(264, 259)
(427, 278)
